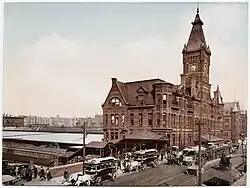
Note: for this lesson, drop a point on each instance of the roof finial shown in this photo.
(197, 8)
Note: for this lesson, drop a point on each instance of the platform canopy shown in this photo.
(210, 138)
(145, 135)
(67, 138)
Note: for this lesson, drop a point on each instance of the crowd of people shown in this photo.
(28, 174)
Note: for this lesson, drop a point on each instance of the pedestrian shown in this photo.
(48, 173)
(26, 176)
(35, 172)
(42, 174)
(29, 174)
(66, 174)
(162, 155)
(17, 171)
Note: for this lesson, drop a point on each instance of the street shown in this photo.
(165, 175)
(162, 175)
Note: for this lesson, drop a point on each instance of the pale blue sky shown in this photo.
(46, 42)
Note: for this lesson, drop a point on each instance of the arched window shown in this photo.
(115, 102)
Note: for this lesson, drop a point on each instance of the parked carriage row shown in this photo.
(101, 169)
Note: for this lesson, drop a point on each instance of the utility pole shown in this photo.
(199, 169)
(199, 158)
(83, 149)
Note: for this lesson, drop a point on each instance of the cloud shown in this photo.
(58, 75)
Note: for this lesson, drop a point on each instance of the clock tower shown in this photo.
(196, 63)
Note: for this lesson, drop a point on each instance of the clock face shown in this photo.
(193, 67)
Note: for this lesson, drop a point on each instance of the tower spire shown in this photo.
(196, 39)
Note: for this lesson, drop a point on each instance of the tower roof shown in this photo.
(234, 108)
(196, 39)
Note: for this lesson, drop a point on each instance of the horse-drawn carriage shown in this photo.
(141, 159)
(96, 171)
(175, 156)
(225, 163)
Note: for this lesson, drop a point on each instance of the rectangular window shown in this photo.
(171, 120)
(106, 119)
(174, 140)
(164, 119)
(140, 119)
(179, 121)
(191, 122)
(112, 119)
(226, 134)
(158, 119)
(112, 136)
(179, 139)
(184, 120)
(150, 118)
(116, 119)
(132, 119)
(174, 121)
(189, 139)
(116, 135)
(123, 119)
(164, 99)
(107, 136)
(159, 99)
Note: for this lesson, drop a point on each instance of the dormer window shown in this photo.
(140, 99)
(115, 102)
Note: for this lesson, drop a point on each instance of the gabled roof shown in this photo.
(141, 89)
(129, 90)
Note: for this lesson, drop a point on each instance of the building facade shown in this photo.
(13, 121)
(167, 109)
(63, 121)
(37, 120)
(235, 121)
(92, 122)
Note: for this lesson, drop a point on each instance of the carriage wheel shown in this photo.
(114, 176)
(98, 181)
(156, 163)
(144, 167)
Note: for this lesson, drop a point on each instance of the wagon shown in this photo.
(148, 157)
(97, 171)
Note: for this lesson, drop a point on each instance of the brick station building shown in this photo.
(167, 109)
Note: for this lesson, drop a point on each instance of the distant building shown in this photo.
(96, 121)
(235, 121)
(13, 121)
(63, 121)
(36, 120)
